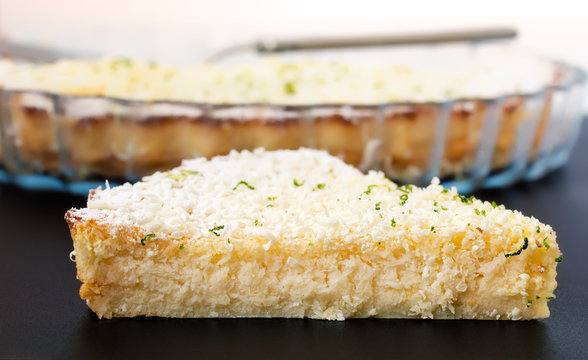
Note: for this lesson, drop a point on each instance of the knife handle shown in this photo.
(437, 37)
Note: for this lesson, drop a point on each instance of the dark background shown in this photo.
(42, 316)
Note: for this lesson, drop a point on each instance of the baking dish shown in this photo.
(63, 141)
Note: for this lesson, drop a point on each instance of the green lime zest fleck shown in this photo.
(289, 88)
(546, 244)
(393, 223)
(243, 182)
(181, 246)
(480, 212)
(536, 297)
(406, 189)
(378, 204)
(520, 250)
(538, 230)
(321, 186)
(183, 174)
(146, 237)
(297, 183)
(272, 198)
(529, 303)
(444, 191)
(494, 205)
(550, 298)
(466, 200)
(190, 172)
(559, 259)
(370, 187)
(215, 229)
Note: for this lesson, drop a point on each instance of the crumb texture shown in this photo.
(301, 234)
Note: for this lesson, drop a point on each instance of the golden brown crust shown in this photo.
(122, 277)
(117, 146)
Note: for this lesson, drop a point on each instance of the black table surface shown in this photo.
(42, 316)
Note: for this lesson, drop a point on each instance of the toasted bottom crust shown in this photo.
(216, 278)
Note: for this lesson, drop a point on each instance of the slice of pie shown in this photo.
(301, 234)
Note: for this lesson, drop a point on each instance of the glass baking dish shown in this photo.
(55, 141)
